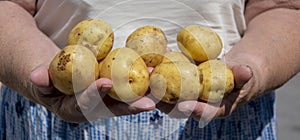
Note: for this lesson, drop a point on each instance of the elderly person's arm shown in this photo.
(265, 58)
(23, 46)
(25, 55)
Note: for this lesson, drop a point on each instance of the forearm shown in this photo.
(23, 47)
(28, 5)
(271, 45)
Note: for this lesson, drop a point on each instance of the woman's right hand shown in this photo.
(89, 105)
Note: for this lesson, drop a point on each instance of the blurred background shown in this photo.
(288, 110)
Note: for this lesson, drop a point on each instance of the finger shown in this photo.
(67, 109)
(198, 110)
(91, 97)
(142, 104)
(189, 107)
(43, 90)
(40, 77)
(242, 74)
(228, 104)
(104, 85)
(71, 108)
(87, 105)
(150, 69)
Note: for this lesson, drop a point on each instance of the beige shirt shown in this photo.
(57, 17)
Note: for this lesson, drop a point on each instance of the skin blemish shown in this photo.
(63, 61)
(61, 53)
(77, 30)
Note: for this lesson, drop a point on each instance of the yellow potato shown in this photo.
(73, 69)
(174, 56)
(199, 43)
(146, 30)
(218, 80)
(175, 81)
(128, 72)
(149, 42)
(94, 34)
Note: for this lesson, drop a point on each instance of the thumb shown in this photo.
(240, 67)
(103, 85)
(242, 74)
(40, 77)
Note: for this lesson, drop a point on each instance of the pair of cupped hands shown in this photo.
(95, 103)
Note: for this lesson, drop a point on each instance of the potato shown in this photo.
(150, 42)
(175, 81)
(199, 43)
(218, 80)
(94, 34)
(73, 69)
(128, 72)
(174, 56)
(146, 30)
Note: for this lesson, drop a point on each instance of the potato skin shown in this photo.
(146, 30)
(73, 69)
(218, 80)
(199, 43)
(175, 81)
(174, 57)
(128, 72)
(94, 34)
(149, 42)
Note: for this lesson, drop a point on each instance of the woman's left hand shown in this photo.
(208, 111)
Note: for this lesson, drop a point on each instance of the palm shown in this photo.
(207, 111)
